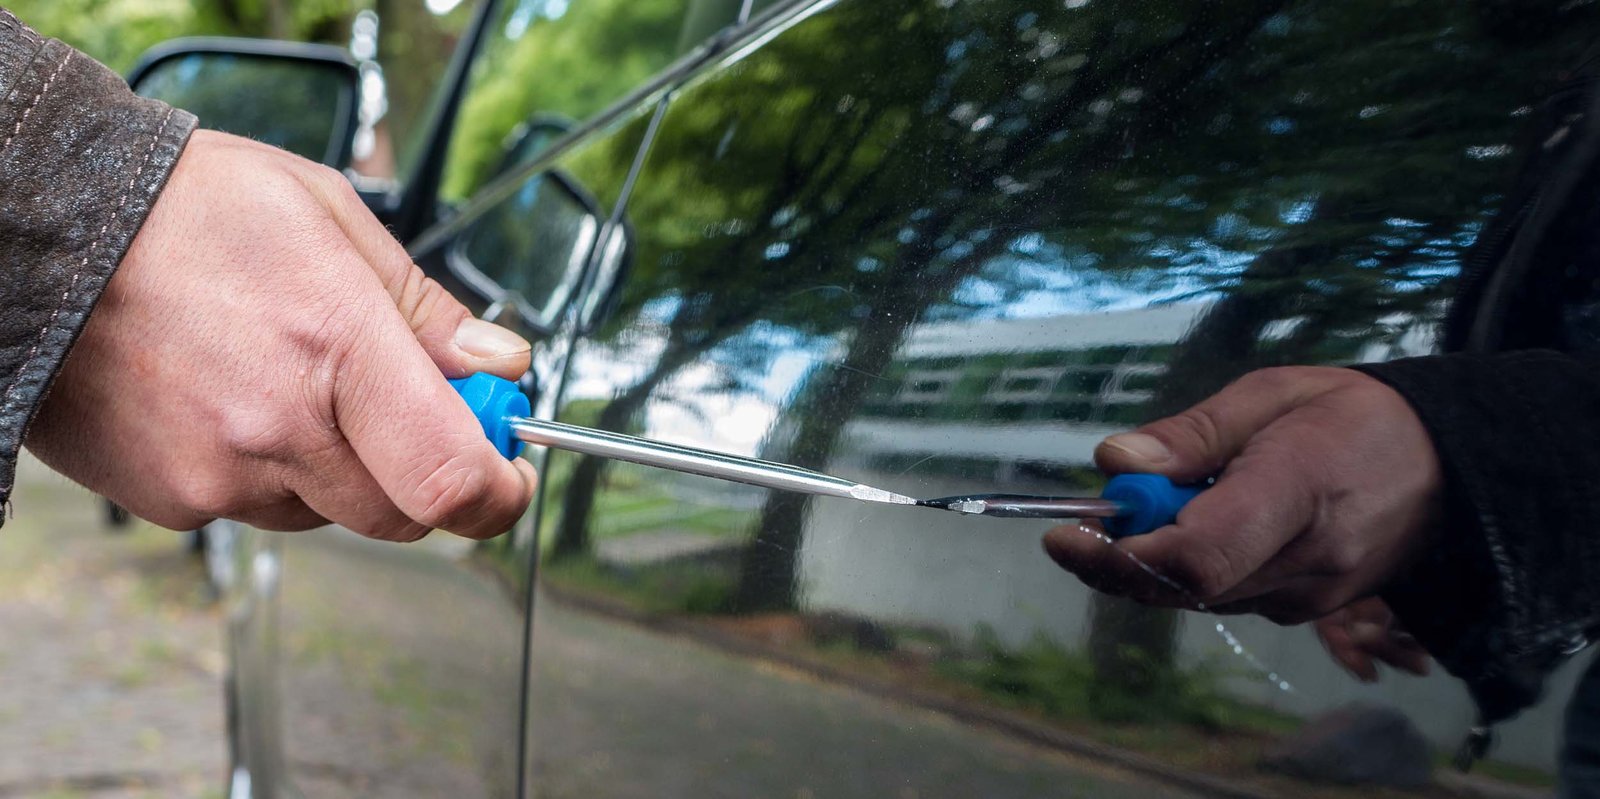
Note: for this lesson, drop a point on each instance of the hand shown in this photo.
(1366, 630)
(1327, 485)
(268, 353)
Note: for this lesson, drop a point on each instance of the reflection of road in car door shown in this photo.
(944, 248)
(403, 664)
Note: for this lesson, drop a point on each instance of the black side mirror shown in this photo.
(301, 97)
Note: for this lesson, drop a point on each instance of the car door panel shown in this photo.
(401, 666)
(946, 247)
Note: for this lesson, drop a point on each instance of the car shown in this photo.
(937, 246)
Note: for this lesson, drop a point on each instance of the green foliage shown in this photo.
(564, 68)
(116, 32)
(1059, 683)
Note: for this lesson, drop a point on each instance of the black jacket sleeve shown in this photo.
(1513, 586)
(81, 162)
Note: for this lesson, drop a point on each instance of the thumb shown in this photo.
(1198, 442)
(458, 343)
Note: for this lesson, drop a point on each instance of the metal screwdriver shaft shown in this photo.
(706, 463)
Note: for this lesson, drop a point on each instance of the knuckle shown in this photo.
(1341, 559)
(207, 496)
(331, 329)
(1200, 426)
(1268, 379)
(451, 494)
(423, 301)
(255, 433)
(325, 184)
(330, 180)
(1278, 379)
(404, 532)
(1205, 571)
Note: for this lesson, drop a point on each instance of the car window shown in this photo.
(564, 60)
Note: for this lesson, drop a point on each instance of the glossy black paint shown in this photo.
(939, 246)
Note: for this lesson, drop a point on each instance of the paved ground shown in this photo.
(110, 674)
(632, 713)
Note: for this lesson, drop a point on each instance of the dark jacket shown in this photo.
(1512, 587)
(81, 162)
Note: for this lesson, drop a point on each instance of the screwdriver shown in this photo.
(1131, 504)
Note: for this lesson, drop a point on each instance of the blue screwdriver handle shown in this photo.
(1151, 501)
(495, 400)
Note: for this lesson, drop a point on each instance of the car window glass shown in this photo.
(564, 60)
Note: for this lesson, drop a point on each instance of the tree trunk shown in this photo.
(768, 571)
(1131, 644)
(577, 504)
(770, 567)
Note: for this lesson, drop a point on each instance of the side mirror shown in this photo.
(528, 252)
(301, 97)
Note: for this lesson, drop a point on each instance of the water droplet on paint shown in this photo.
(1228, 637)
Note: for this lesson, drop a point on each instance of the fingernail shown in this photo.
(482, 339)
(1141, 446)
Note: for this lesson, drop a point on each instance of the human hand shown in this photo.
(1327, 485)
(268, 353)
(1366, 631)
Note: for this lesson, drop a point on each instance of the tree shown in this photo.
(1312, 191)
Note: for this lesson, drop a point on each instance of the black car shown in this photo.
(938, 246)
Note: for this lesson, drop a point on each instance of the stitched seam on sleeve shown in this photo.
(9, 20)
(44, 90)
(72, 284)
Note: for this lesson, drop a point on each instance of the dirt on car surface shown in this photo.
(111, 677)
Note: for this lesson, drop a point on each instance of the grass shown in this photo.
(693, 588)
(1060, 684)
(629, 504)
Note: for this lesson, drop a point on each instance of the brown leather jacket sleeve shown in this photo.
(81, 162)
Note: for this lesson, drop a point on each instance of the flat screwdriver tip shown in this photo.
(867, 493)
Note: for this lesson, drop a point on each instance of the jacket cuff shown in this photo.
(1505, 593)
(81, 162)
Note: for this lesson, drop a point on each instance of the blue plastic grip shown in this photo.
(1152, 500)
(494, 400)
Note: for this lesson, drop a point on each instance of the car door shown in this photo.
(397, 670)
(945, 247)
